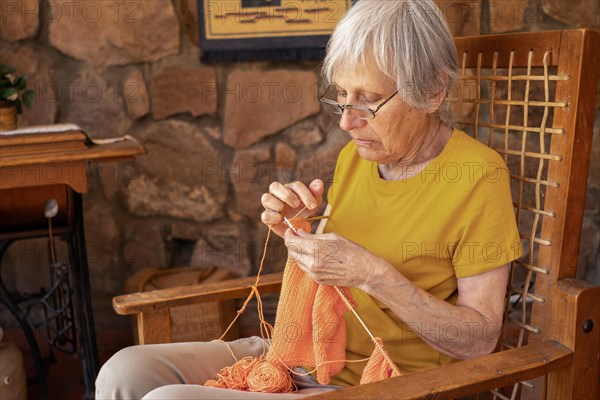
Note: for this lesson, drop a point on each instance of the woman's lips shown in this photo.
(362, 142)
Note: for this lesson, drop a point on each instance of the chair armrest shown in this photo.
(465, 378)
(155, 300)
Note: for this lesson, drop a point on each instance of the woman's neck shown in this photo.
(431, 146)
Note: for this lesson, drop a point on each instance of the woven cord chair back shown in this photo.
(531, 97)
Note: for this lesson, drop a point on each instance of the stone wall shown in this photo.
(216, 135)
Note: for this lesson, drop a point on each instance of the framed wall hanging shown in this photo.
(260, 30)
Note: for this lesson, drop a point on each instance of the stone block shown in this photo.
(113, 176)
(305, 133)
(320, 163)
(592, 201)
(214, 131)
(509, 15)
(180, 177)
(189, 19)
(109, 177)
(146, 197)
(103, 245)
(463, 17)
(589, 248)
(251, 176)
(327, 121)
(143, 246)
(579, 14)
(178, 90)
(285, 154)
(224, 245)
(135, 94)
(261, 103)
(19, 19)
(114, 33)
(95, 104)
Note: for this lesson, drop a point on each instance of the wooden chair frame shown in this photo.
(558, 345)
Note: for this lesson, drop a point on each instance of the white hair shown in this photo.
(410, 42)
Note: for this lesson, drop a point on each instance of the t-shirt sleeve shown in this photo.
(487, 231)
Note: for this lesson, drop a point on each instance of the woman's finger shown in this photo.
(295, 250)
(270, 202)
(271, 217)
(304, 194)
(285, 194)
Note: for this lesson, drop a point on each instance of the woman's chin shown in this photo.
(368, 154)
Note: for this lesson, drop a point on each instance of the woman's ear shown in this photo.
(435, 101)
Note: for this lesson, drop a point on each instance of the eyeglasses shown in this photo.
(360, 112)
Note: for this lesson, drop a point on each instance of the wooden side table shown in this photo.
(38, 164)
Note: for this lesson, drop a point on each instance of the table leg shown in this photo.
(83, 311)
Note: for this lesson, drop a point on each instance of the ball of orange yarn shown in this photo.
(234, 376)
(269, 377)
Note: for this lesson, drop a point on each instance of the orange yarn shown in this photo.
(270, 377)
(379, 366)
(235, 376)
(315, 333)
(254, 375)
(312, 334)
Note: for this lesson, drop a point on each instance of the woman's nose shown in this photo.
(349, 121)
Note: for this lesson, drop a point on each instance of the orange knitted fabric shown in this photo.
(309, 326)
(379, 366)
(309, 330)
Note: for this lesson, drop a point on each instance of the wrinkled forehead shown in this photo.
(363, 76)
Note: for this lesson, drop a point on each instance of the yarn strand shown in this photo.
(274, 375)
(373, 338)
(254, 290)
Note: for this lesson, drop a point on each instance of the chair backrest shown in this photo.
(531, 97)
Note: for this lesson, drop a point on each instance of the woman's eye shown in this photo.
(341, 97)
(371, 100)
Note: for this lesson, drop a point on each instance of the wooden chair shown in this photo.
(531, 97)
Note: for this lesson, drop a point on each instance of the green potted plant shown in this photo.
(13, 96)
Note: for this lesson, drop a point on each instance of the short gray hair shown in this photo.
(410, 42)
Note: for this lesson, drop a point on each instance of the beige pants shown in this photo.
(178, 370)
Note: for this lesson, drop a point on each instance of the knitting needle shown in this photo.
(289, 224)
(317, 218)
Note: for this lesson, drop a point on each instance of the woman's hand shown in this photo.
(330, 259)
(287, 200)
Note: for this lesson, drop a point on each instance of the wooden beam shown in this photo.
(193, 294)
(521, 43)
(465, 378)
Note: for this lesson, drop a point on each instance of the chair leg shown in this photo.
(154, 327)
(577, 309)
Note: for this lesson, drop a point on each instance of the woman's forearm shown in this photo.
(459, 331)
(468, 329)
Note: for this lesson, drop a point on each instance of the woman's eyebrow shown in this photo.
(358, 91)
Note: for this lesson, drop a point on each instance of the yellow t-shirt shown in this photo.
(454, 219)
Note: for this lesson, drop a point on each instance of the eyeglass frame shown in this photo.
(341, 108)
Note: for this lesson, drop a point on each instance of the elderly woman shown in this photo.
(420, 220)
